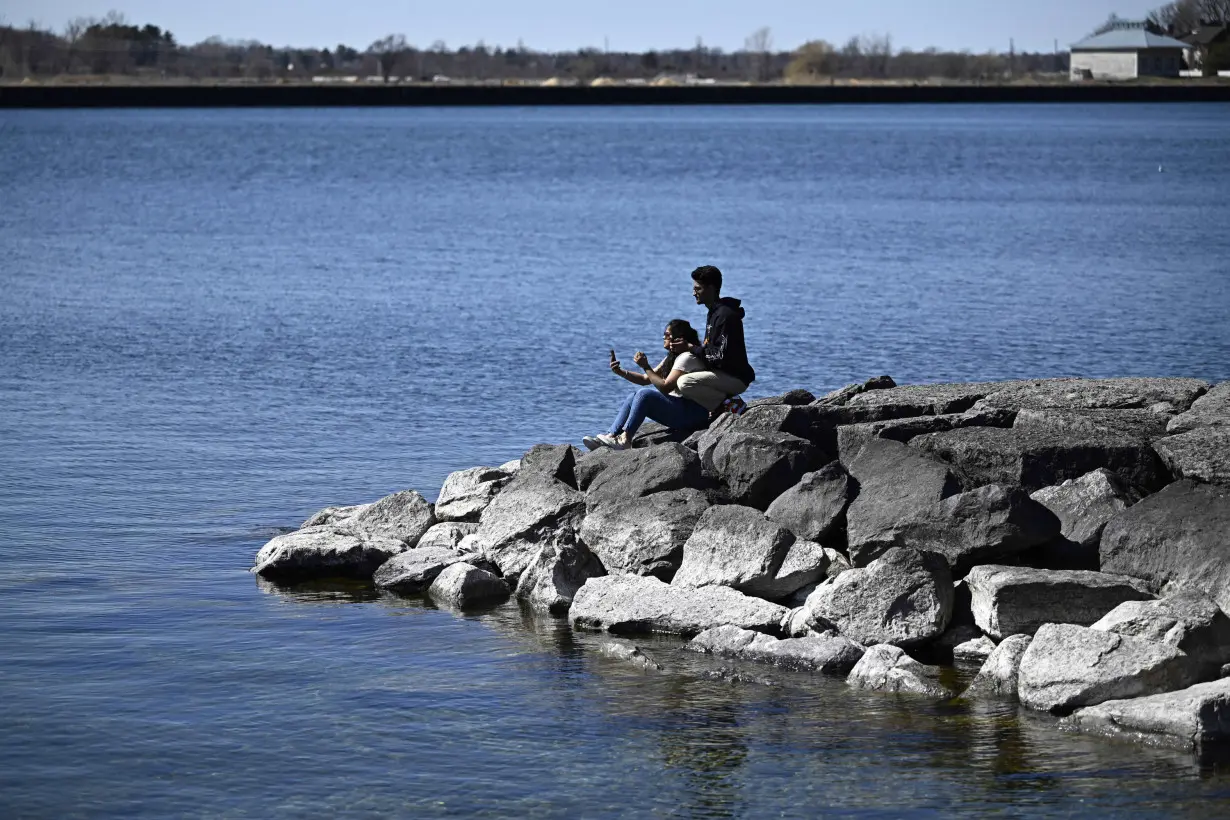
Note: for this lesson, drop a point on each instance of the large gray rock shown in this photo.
(791, 397)
(414, 570)
(1176, 535)
(639, 473)
(552, 579)
(815, 508)
(736, 547)
(1084, 505)
(1048, 447)
(976, 649)
(903, 598)
(852, 437)
(1201, 455)
(927, 399)
(644, 536)
(1019, 600)
(466, 493)
(447, 535)
(998, 676)
(1191, 719)
(1096, 394)
(758, 467)
(331, 515)
(464, 585)
(629, 654)
(805, 565)
(1068, 666)
(1210, 410)
(985, 524)
(403, 516)
(831, 654)
(591, 465)
(556, 461)
(1185, 619)
(321, 552)
(886, 668)
(897, 486)
(531, 512)
(632, 604)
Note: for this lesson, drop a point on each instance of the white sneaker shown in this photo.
(592, 442)
(602, 440)
(616, 442)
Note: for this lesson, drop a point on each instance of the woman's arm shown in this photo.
(664, 385)
(635, 378)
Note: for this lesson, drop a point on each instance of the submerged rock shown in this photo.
(629, 654)
(634, 604)
(831, 654)
(1018, 600)
(321, 552)
(886, 668)
(977, 649)
(464, 585)
(1190, 719)
(1068, 666)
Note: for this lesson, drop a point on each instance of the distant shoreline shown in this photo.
(244, 95)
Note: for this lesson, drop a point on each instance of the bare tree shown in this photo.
(388, 50)
(759, 45)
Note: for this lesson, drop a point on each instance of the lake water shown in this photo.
(216, 322)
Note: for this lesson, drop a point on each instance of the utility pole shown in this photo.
(1011, 58)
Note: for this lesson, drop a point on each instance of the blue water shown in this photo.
(216, 322)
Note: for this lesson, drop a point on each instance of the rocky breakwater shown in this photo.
(1074, 533)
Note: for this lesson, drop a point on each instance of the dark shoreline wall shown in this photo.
(239, 96)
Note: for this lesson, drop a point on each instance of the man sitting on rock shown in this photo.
(723, 352)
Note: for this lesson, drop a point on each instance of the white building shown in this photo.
(1125, 52)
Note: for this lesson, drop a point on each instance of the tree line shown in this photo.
(110, 46)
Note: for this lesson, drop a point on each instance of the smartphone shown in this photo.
(613, 359)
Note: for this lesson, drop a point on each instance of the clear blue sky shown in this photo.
(635, 25)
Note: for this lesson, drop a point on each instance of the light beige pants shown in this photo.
(709, 388)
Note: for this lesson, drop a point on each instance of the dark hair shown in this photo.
(680, 329)
(708, 275)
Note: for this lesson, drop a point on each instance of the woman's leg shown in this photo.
(621, 418)
(674, 412)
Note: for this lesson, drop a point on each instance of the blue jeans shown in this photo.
(650, 402)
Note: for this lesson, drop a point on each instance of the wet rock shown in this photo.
(904, 598)
(998, 676)
(644, 536)
(887, 668)
(736, 547)
(464, 585)
(1200, 455)
(447, 535)
(413, 570)
(1044, 448)
(557, 461)
(1084, 505)
(1177, 535)
(1191, 719)
(1068, 666)
(830, 654)
(1019, 600)
(639, 473)
(897, 485)
(758, 467)
(322, 552)
(852, 437)
(1096, 394)
(531, 512)
(403, 516)
(1185, 619)
(331, 515)
(985, 524)
(466, 493)
(550, 581)
(629, 654)
(978, 649)
(634, 604)
(1210, 410)
(815, 508)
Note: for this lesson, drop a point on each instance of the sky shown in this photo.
(624, 25)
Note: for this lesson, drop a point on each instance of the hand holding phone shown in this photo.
(614, 362)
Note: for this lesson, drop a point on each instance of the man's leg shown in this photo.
(708, 388)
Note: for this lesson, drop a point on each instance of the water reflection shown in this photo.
(324, 591)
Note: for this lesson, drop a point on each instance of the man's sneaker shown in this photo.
(735, 405)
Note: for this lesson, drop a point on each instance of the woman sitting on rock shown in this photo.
(657, 399)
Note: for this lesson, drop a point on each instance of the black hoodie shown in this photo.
(724, 348)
